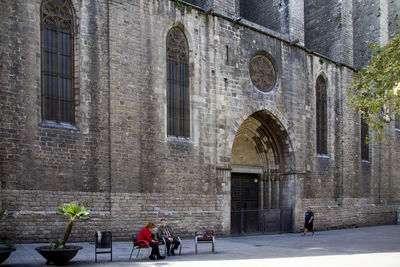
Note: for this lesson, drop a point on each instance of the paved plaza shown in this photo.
(361, 247)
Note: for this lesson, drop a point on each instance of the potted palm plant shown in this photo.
(6, 247)
(57, 252)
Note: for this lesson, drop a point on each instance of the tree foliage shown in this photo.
(73, 210)
(375, 90)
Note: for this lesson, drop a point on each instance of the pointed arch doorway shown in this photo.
(262, 177)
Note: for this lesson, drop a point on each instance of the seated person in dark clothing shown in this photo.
(145, 234)
(309, 221)
(170, 238)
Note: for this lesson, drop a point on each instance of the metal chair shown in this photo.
(103, 240)
(136, 245)
(204, 237)
(163, 242)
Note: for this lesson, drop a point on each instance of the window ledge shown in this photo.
(323, 156)
(366, 161)
(179, 139)
(58, 125)
(397, 130)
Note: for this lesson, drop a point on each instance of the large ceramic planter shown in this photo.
(58, 256)
(4, 253)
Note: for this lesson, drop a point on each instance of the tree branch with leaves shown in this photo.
(73, 210)
(375, 89)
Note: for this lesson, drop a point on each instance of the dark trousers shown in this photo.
(175, 242)
(309, 226)
(154, 249)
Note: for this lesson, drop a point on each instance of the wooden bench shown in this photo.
(204, 237)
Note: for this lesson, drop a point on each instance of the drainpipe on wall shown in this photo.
(341, 184)
(1, 199)
(379, 172)
(109, 105)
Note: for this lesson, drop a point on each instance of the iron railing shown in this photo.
(261, 221)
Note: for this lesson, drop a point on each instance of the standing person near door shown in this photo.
(309, 221)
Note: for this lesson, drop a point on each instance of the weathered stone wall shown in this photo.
(367, 28)
(351, 213)
(35, 157)
(296, 21)
(394, 16)
(329, 29)
(394, 163)
(119, 161)
(227, 7)
(272, 14)
(206, 4)
(33, 215)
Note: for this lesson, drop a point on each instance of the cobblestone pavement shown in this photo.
(369, 246)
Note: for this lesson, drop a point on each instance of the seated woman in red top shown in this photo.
(145, 235)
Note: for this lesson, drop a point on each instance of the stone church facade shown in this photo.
(221, 114)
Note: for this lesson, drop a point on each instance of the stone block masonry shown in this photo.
(117, 159)
(273, 15)
(329, 29)
(366, 20)
(33, 216)
(352, 213)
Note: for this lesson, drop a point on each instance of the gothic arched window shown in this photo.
(178, 108)
(321, 109)
(364, 138)
(57, 44)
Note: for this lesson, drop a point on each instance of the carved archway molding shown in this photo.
(279, 118)
(274, 140)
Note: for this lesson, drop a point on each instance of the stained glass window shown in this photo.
(321, 116)
(364, 138)
(57, 61)
(178, 107)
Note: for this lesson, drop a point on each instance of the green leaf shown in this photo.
(377, 86)
(74, 210)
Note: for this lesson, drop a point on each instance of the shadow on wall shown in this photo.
(273, 15)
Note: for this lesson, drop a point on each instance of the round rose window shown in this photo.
(262, 73)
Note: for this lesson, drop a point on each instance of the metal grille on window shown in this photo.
(57, 61)
(364, 137)
(397, 122)
(178, 84)
(321, 105)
